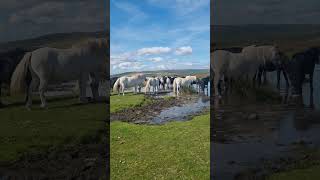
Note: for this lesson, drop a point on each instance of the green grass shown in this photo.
(312, 173)
(129, 100)
(64, 122)
(176, 150)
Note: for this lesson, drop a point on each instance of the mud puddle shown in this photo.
(162, 109)
(246, 136)
(182, 112)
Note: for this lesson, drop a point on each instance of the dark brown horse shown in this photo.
(299, 66)
(270, 67)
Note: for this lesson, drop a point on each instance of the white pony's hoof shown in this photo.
(43, 106)
(28, 107)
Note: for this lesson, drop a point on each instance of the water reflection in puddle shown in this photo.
(295, 126)
(181, 113)
(301, 126)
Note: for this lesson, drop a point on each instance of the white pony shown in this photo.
(240, 65)
(129, 81)
(167, 83)
(50, 65)
(182, 82)
(154, 82)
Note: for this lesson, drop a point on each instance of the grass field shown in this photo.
(65, 122)
(118, 102)
(176, 150)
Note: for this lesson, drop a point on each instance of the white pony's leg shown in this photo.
(177, 88)
(216, 82)
(42, 90)
(122, 88)
(34, 83)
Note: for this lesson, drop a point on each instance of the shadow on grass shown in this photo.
(57, 99)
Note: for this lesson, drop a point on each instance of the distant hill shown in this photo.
(179, 72)
(59, 40)
(289, 37)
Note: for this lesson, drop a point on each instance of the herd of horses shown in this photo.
(26, 71)
(156, 83)
(252, 62)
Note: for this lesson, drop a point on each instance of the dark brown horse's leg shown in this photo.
(0, 94)
(278, 78)
(259, 76)
(311, 91)
(264, 76)
(94, 86)
(286, 78)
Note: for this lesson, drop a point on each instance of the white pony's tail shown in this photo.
(116, 85)
(18, 79)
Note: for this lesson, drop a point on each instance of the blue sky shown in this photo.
(159, 35)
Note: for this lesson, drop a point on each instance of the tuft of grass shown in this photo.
(119, 102)
(64, 122)
(188, 90)
(176, 150)
(167, 98)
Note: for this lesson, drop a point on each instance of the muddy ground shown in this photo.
(244, 126)
(144, 114)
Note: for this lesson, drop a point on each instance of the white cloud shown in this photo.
(128, 56)
(128, 66)
(156, 59)
(183, 50)
(188, 64)
(153, 50)
(162, 67)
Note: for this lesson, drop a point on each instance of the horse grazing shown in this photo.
(154, 82)
(202, 83)
(299, 66)
(244, 65)
(124, 82)
(179, 82)
(269, 64)
(50, 65)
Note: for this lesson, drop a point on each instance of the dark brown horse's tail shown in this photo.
(21, 75)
